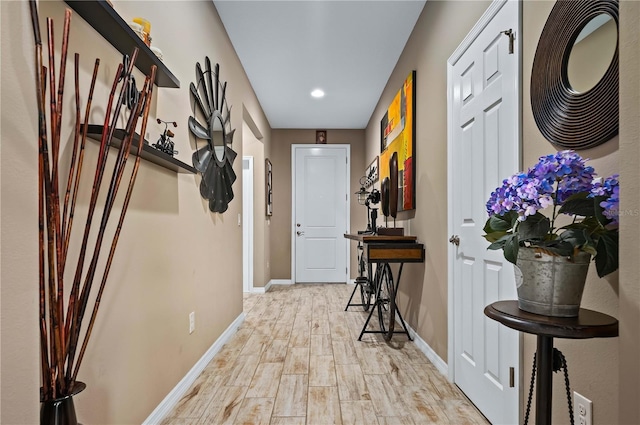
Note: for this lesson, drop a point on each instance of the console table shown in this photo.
(588, 324)
(383, 250)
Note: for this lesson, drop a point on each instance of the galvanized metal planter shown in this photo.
(550, 285)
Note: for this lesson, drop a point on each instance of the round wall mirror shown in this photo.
(573, 110)
(592, 53)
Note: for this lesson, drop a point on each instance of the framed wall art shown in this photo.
(372, 172)
(397, 135)
(321, 137)
(268, 187)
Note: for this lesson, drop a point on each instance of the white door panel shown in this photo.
(247, 223)
(320, 216)
(484, 149)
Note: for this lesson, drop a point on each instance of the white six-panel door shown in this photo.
(320, 213)
(484, 139)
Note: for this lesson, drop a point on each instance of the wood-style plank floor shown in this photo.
(297, 360)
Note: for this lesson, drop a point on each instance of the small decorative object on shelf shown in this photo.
(137, 28)
(215, 160)
(551, 253)
(146, 30)
(131, 93)
(65, 334)
(156, 51)
(164, 143)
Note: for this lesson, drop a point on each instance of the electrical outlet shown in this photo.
(239, 219)
(192, 322)
(267, 263)
(583, 409)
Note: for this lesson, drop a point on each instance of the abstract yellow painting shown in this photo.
(397, 134)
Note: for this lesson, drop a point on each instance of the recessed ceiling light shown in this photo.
(317, 93)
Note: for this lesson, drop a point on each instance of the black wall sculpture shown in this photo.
(211, 122)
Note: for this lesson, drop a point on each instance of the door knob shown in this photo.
(455, 239)
(299, 233)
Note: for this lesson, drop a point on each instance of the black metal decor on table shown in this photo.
(215, 160)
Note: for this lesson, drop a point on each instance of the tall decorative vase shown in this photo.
(550, 285)
(60, 411)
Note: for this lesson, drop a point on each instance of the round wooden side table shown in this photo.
(588, 324)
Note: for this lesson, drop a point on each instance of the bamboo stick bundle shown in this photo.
(144, 100)
(60, 325)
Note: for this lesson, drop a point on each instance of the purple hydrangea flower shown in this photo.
(551, 181)
(610, 188)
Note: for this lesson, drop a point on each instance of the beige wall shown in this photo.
(281, 220)
(439, 30)
(600, 384)
(629, 290)
(593, 364)
(174, 256)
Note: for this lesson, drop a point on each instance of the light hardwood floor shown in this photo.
(297, 360)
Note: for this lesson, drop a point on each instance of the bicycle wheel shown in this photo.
(386, 300)
(363, 280)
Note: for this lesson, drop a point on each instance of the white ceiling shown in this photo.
(346, 48)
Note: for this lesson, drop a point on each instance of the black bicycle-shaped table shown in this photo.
(378, 294)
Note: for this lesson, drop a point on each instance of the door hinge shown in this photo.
(509, 33)
(512, 377)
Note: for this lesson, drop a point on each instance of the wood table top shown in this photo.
(369, 238)
(588, 323)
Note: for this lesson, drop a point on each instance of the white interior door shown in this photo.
(320, 213)
(484, 134)
(247, 223)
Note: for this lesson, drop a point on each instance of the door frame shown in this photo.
(294, 147)
(477, 29)
(247, 226)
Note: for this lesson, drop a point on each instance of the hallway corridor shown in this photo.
(296, 360)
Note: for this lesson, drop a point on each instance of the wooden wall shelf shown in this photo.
(149, 153)
(104, 19)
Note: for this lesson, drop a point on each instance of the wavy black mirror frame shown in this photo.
(214, 161)
(565, 117)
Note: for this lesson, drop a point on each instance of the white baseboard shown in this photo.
(280, 282)
(172, 399)
(265, 288)
(422, 345)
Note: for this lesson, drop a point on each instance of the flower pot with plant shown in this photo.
(552, 252)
